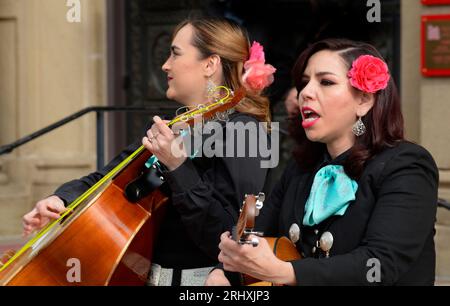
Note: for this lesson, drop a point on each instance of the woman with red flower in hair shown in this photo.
(358, 201)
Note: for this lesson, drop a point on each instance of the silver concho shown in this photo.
(326, 242)
(294, 233)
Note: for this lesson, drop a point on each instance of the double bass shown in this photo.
(104, 237)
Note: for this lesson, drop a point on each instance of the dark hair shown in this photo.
(384, 122)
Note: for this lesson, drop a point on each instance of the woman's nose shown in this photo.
(165, 66)
(306, 93)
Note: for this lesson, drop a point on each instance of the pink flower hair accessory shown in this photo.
(257, 75)
(369, 74)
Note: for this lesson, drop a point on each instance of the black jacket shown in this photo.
(205, 197)
(391, 221)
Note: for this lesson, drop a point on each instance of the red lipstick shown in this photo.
(310, 117)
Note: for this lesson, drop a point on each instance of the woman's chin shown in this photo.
(170, 94)
(314, 137)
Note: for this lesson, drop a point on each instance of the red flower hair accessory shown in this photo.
(369, 74)
(257, 75)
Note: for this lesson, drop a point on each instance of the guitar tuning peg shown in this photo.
(261, 197)
(254, 242)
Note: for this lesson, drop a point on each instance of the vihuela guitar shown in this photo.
(282, 247)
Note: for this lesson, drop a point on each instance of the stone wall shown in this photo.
(427, 116)
(49, 68)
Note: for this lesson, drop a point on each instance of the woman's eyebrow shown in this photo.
(321, 73)
(174, 48)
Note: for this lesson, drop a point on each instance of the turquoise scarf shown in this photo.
(331, 193)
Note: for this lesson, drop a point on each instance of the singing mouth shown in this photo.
(310, 117)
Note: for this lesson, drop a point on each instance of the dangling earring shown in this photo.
(210, 88)
(359, 128)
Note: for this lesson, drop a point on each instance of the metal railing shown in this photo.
(444, 204)
(100, 129)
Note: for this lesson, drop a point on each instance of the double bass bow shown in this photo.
(105, 237)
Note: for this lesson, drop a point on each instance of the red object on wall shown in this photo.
(435, 45)
(435, 2)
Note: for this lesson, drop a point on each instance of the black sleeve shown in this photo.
(402, 220)
(70, 191)
(209, 203)
(267, 221)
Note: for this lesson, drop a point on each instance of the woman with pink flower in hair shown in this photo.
(358, 200)
(205, 192)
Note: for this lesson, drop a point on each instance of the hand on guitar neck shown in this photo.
(260, 262)
(159, 141)
(257, 258)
